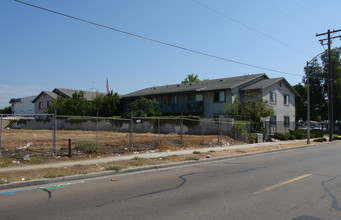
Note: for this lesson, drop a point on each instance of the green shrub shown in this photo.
(87, 146)
(269, 140)
(336, 137)
(282, 137)
(196, 152)
(291, 137)
(252, 138)
(299, 134)
(320, 139)
(316, 134)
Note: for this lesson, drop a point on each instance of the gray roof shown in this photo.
(268, 82)
(263, 84)
(88, 95)
(206, 85)
(14, 100)
(51, 94)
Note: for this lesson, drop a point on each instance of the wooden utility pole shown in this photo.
(308, 104)
(329, 80)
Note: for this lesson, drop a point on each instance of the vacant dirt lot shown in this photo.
(94, 166)
(21, 142)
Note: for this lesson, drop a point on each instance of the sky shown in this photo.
(41, 50)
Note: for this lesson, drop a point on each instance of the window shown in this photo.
(199, 97)
(273, 99)
(273, 121)
(40, 105)
(286, 99)
(286, 121)
(219, 96)
(48, 103)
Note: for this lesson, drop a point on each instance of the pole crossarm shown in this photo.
(330, 79)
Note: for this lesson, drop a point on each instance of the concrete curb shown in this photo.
(144, 168)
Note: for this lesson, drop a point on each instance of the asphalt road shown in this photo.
(301, 184)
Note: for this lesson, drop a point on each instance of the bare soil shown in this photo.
(18, 143)
(19, 176)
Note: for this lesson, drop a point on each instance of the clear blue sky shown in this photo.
(42, 51)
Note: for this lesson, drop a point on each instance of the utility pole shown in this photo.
(308, 104)
(329, 80)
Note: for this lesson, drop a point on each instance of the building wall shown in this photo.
(23, 106)
(281, 109)
(212, 108)
(42, 103)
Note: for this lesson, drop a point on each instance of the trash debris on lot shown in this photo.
(27, 157)
(115, 180)
(24, 147)
(208, 156)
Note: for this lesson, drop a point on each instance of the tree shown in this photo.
(6, 110)
(143, 107)
(336, 78)
(318, 106)
(106, 105)
(301, 102)
(191, 78)
(77, 105)
(255, 109)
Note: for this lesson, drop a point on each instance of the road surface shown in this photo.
(301, 184)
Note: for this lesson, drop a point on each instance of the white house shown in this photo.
(23, 106)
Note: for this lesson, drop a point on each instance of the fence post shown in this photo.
(158, 131)
(218, 131)
(1, 137)
(97, 128)
(54, 130)
(221, 131)
(202, 132)
(131, 131)
(181, 124)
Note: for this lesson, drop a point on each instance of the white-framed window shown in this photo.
(273, 98)
(286, 121)
(219, 96)
(286, 99)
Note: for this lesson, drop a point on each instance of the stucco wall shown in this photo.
(44, 98)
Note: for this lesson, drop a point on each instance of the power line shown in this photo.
(250, 28)
(156, 41)
(311, 13)
(290, 17)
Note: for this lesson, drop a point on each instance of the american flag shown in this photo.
(108, 91)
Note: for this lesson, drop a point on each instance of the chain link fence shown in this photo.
(57, 135)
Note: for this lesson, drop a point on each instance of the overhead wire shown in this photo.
(311, 13)
(250, 28)
(155, 41)
(290, 17)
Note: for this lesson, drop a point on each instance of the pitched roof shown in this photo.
(51, 94)
(268, 82)
(206, 85)
(263, 84)
(88, 95)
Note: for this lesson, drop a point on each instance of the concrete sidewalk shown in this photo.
(143, 155)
